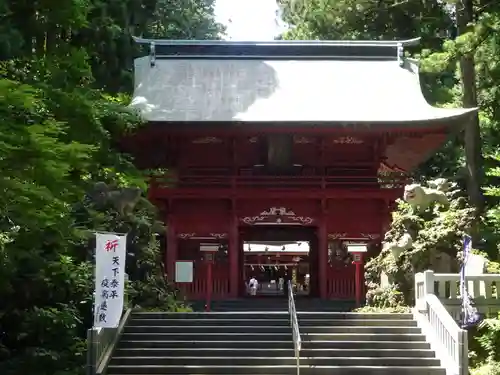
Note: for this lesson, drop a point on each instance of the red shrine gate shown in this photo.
(282, 140)
(324, 225)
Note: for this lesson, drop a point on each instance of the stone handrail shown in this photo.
(483, 289)
(101, 343)
(447, 339)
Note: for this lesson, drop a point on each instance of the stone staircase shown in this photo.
(261, 342)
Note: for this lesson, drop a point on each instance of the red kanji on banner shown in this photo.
(111, 245)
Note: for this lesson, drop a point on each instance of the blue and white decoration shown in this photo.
(470, 315)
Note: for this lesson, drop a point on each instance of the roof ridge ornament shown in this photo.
(400, 54)
(384, 50)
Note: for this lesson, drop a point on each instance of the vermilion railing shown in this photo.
(341, 282)
(191, 181)
(198, 288)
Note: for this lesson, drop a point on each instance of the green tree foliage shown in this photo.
(493, 191)
(65, 77)
(102, 29)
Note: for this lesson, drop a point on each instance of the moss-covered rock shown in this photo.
(419, 238)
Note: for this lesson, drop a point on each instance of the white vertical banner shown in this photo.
(110, 257)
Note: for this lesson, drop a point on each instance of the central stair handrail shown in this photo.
(294, 322)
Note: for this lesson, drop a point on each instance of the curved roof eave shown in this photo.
(285, 91)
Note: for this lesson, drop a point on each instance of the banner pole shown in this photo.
(466, 250)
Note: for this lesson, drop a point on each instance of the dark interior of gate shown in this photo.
(279, 143)
(276, 253)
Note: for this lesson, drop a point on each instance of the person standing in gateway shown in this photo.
(253, 285)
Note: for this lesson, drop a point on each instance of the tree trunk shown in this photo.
(472, 132)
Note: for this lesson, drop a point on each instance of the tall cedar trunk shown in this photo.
(472, 133)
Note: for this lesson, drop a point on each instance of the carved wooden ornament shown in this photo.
(348, 141)
(277, 215)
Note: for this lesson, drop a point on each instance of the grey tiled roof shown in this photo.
(259, 90)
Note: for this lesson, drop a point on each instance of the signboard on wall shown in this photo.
(209, 247)
(357, 248)
(183, 272)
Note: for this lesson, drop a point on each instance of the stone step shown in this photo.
(279, 302)
(274, 352)
(305, 322)
(195, 336)
(212, 315)
(271, 336)
(284, 321)
(354, 330)
(127, 342)
(374, 344)
(181, 344)
(362, 337)
(278, 308)
(244, 310)
(273, 361)
(354, 315)
(209, 329)
(274, 370)
(248, 315)
(188, 329)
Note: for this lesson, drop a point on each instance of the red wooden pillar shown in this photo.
(323, 258)
(209, 260)
(242, 276)
(234, 254)
(171, 253)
